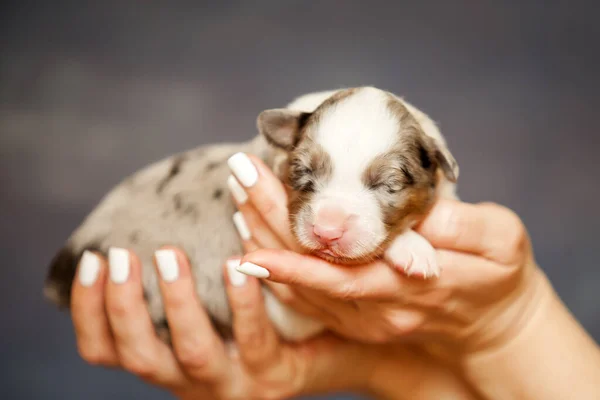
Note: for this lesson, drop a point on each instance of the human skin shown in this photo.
(114, 329)
(492, 312)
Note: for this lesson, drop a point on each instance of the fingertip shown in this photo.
(172, 263)
(258, 257)
(273, 264)
(89, 268)
(88, 286)
(254, 270)
(120, 261)
(233, 277)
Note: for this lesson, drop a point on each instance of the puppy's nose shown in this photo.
(330, 224)
(327, 235)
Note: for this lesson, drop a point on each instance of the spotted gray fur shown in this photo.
(175, 201)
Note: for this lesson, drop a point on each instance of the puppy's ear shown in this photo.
(282, 127)
(432, 149)
(447, 162)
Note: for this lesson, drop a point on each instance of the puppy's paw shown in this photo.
(414, 255)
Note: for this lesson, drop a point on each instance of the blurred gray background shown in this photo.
(92, 91)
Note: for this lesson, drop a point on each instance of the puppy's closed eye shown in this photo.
(301, 177)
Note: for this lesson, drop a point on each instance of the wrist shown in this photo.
(406, 372)
(339, 366)
(545, 353)
(395, 373)
(510, 316)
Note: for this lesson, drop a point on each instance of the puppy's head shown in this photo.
(359, 169)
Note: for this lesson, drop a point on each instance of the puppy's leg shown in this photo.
(413, 254)
(291, 325)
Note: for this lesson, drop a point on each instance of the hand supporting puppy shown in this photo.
(492, 311)
(114, 329)
(483, 249)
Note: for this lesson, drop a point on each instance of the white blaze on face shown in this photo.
(354, 132)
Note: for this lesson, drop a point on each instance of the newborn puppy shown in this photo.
(361, 165)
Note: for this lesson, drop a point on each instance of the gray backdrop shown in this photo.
(92, 90)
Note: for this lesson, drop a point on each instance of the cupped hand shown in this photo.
(488, 285)
(113, 328)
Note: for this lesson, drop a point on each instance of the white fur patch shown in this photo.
(290, 324)
(355, 132)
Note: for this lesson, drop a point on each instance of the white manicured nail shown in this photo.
(243, 169)
(236, 278)
(118, 264)
(253, 270)
(89, 267)
(167, 264)
(240, 224)
(237, 190)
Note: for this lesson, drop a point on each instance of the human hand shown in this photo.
(113, 328)
(488, 284)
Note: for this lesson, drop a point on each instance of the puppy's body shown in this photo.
(183, 201)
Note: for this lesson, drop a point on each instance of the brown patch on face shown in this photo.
(296, 201)
(404, 180)
(309, 166)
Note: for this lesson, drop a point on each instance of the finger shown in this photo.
(248, 242)
(257, 228)
(375, 281)
(94, 338)
(257, 341)
(266, 193)
(250, 246)
(251, 227)
(197, 347)
(471, 273)
(283, 292)
(139, 349)
(487, 230)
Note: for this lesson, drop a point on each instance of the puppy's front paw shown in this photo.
(414, 255)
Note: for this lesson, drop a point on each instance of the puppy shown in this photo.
(361, 166)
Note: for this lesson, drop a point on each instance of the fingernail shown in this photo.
(253, 270)
(236, 278)
(167, 264)
(237, 190)
(89, 266)
(118, 264)
(243, 169)
(240, 225)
